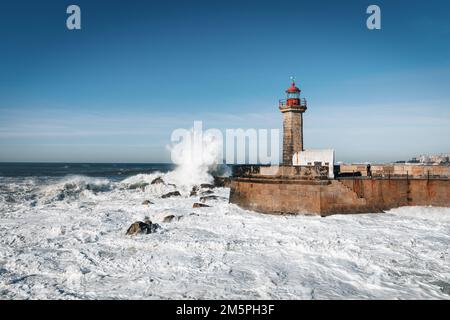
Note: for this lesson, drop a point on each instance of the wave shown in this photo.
(50, 190)
(193, 169)
(71, 187)
(16, 191)
(146, 183)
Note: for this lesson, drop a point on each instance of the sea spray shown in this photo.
(196, 155)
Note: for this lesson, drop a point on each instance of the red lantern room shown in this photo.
(292, 97)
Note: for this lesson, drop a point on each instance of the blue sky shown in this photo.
(115, 90)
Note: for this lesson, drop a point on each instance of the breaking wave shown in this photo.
(71, 187)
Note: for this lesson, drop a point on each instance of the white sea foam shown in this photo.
(75, 247)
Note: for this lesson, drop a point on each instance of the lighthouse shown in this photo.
(292, 109)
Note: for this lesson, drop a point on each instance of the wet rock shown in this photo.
(158, 181)
(206, 198)
(207, 186)
(200, 205)
(444, 286)
(171, 194)
(136, 228)
(194, 191)
(154, 227)
(222, 182)
(147, 220)
(142, 227)
(147, 202)
(169, 218)
(138, 186)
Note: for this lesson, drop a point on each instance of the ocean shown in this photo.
(63, 236)
(115, 171)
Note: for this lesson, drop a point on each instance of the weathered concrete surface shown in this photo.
(281, 195)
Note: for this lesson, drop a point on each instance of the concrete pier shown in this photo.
(307, 190)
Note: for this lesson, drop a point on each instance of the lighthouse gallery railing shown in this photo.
(283, 102)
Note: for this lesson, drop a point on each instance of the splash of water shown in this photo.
(196, 156)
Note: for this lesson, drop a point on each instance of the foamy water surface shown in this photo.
(64, 238)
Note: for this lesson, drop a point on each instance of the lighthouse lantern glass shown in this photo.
(293, 95)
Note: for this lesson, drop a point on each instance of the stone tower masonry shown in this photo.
(292, 109)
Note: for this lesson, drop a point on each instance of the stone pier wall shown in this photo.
(382, 194)
(281, 195)
(276, 196)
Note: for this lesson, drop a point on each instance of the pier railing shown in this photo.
(313, 172)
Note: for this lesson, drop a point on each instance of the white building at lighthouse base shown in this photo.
(311, 157)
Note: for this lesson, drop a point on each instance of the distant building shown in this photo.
(431, 159)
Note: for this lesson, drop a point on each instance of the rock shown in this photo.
(147, 202)
(206, 186)
(158, 181)
(194, 191)
(138, 186)
(135, 228)
(222, 182)
(169, 218)
(172, 185)
(206, 192)
(205, 198)
(147, 220)
(171, 194)
(200, 205)
(154, 227)
(142, 227)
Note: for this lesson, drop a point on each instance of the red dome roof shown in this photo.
(293, 88)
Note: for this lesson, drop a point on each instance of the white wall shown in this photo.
(302, 158)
